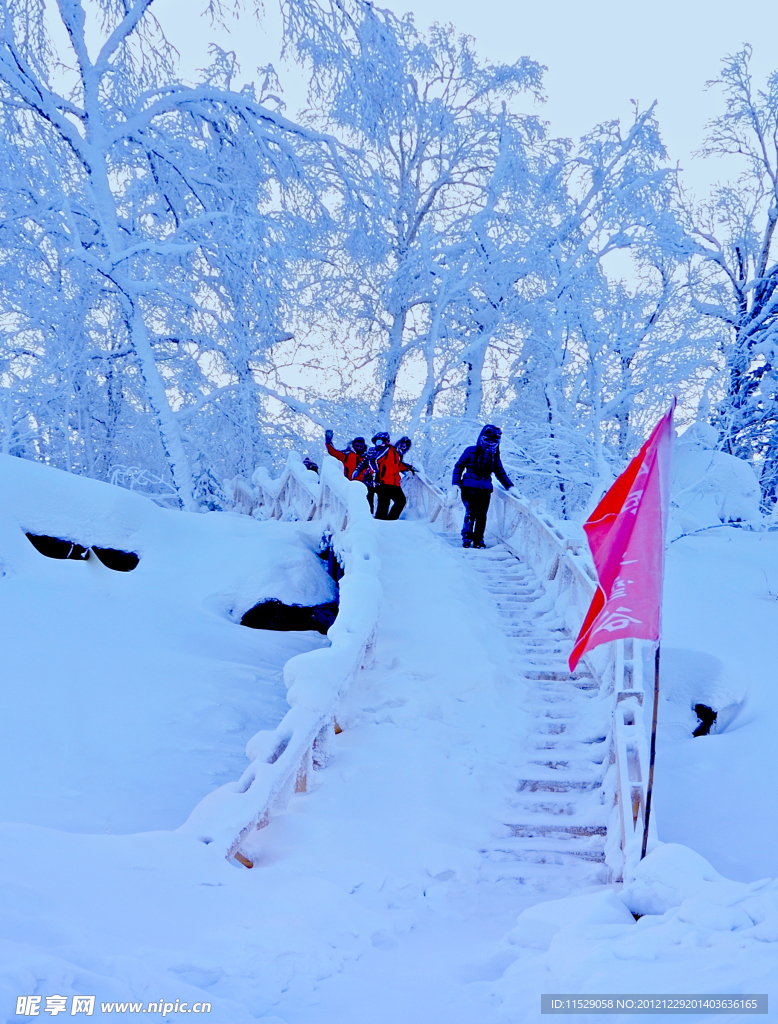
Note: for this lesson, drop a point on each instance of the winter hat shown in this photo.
(358, 444)
(403, 444)
(381, 439)
(489, 437)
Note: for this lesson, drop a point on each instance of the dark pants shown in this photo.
(371, 497)
(389, 493)
(476, 502)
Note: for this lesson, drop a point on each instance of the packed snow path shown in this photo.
(556, 817)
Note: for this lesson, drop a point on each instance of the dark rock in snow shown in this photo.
(707, 717)
(56, 547)
(113, 558)
(275, 614)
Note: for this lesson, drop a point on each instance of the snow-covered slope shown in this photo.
(127, 696)
(392, 889)
(717, 793)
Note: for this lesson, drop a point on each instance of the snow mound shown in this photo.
(538, 925)
(710, 487)
(699, 933)
(673, 875)
(227, 560)
(127, 697)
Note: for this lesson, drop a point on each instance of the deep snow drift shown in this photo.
(376, 897)
(130, 695)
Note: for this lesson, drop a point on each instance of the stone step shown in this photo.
(559, 785)
(557, 831)
(504, 580)
(558, 809)
(569, 685)
(547, 673)
(567, 745)
(560, 763)
(540, 642)
(547, 648)
(539, 851)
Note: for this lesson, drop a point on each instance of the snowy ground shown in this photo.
(717, 793)
(129, 695)
(374, 899)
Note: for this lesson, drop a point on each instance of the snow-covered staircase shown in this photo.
(556, 815)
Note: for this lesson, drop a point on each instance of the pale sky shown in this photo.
(599, 56)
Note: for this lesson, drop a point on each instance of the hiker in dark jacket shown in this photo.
(473, 475)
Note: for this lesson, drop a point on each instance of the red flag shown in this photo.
(626, 534)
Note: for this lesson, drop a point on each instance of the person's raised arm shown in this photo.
(334, 452)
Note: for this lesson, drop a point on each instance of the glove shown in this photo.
(328, 436)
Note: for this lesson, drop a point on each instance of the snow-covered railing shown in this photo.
(294, 495)
(425, 500)
(282, 758)
(557, 552)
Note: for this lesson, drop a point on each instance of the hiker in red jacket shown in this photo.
(367, 467)
(351, 458)
(388, 489)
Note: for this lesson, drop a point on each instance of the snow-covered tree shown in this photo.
(187, 276)
(424, 119)
(733, 274)
(572, 360)
(152, 214)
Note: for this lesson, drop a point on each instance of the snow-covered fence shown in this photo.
(282, 758)
(425, 500)
(294, 495)
(558, 554)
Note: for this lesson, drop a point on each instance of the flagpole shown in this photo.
(650, 787)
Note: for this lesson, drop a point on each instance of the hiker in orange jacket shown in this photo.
(388, 489)
(351, 459)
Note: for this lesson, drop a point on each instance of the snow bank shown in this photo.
(538, 925)
(673, 875)
(699, 933)
(716, 793)
(283, 758)
(128, 696)
(710, 487)
(222, 558)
